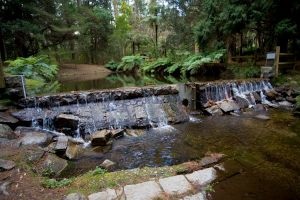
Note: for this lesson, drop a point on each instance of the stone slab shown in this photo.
(228, 106)
(202, 177)
(146, 191)
(175, 185)
(198, 196)
(108, 194)
(62, 143)
(75, 196)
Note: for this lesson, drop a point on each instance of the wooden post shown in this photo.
(277, 54)
(2, 83)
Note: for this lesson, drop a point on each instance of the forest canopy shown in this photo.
(97, 31)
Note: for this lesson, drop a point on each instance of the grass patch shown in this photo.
(53, 183)
(96, 180)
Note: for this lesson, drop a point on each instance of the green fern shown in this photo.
(112, 65)
(157, 65)
(38, 68)
(128, 63)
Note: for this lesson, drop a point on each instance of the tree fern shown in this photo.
(159, 64)
(128, 63)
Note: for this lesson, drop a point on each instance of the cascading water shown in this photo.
(110, 112)
(247, 90)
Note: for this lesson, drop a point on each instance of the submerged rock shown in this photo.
(100, 138)
(116, 133)
(263, 117)
(6, 164)
(211, 158)
(285, 104)
(135, 132)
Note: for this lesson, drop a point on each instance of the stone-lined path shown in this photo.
(186, 187)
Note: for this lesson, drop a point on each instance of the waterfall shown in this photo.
(251, 91)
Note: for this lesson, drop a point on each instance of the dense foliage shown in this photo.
(96, 31)
(38, 68)
(39, 72)
(185, 63)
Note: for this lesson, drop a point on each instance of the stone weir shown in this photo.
(82, 113)
(231, 95)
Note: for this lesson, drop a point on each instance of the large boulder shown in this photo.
(35, 137)
(117, 133)
(6, 118)
(66, 123)
(73, 150)
(214, 110)
(6, 164)
(61, 144)
(228, 106)
(52, 165)
(6, 132)
(241, 102)
(100, 138)
(107, 164)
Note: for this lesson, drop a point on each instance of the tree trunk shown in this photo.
(2, 47)
(241, 45)
(116, 9)
(133, 48)
(78, 3)
(156, 35)
(2, 83)
(229, 47)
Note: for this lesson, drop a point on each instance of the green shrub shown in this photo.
(53, 183)
(129, 63)
(158, 65)
(37, 68)
(99, 171)
(249, 70)
(112, 65)
(192, 63)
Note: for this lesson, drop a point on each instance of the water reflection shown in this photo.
(115, 80)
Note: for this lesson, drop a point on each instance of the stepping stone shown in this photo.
(202, 177)
(146, 191)
(75, 196)
(198, 196)
(175, 185)
(108, 194)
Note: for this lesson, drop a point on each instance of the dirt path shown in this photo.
(81, 72)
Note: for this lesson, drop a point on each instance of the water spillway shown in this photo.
(81, 113)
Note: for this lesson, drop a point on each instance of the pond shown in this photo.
(266, 152)
(114, 80)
